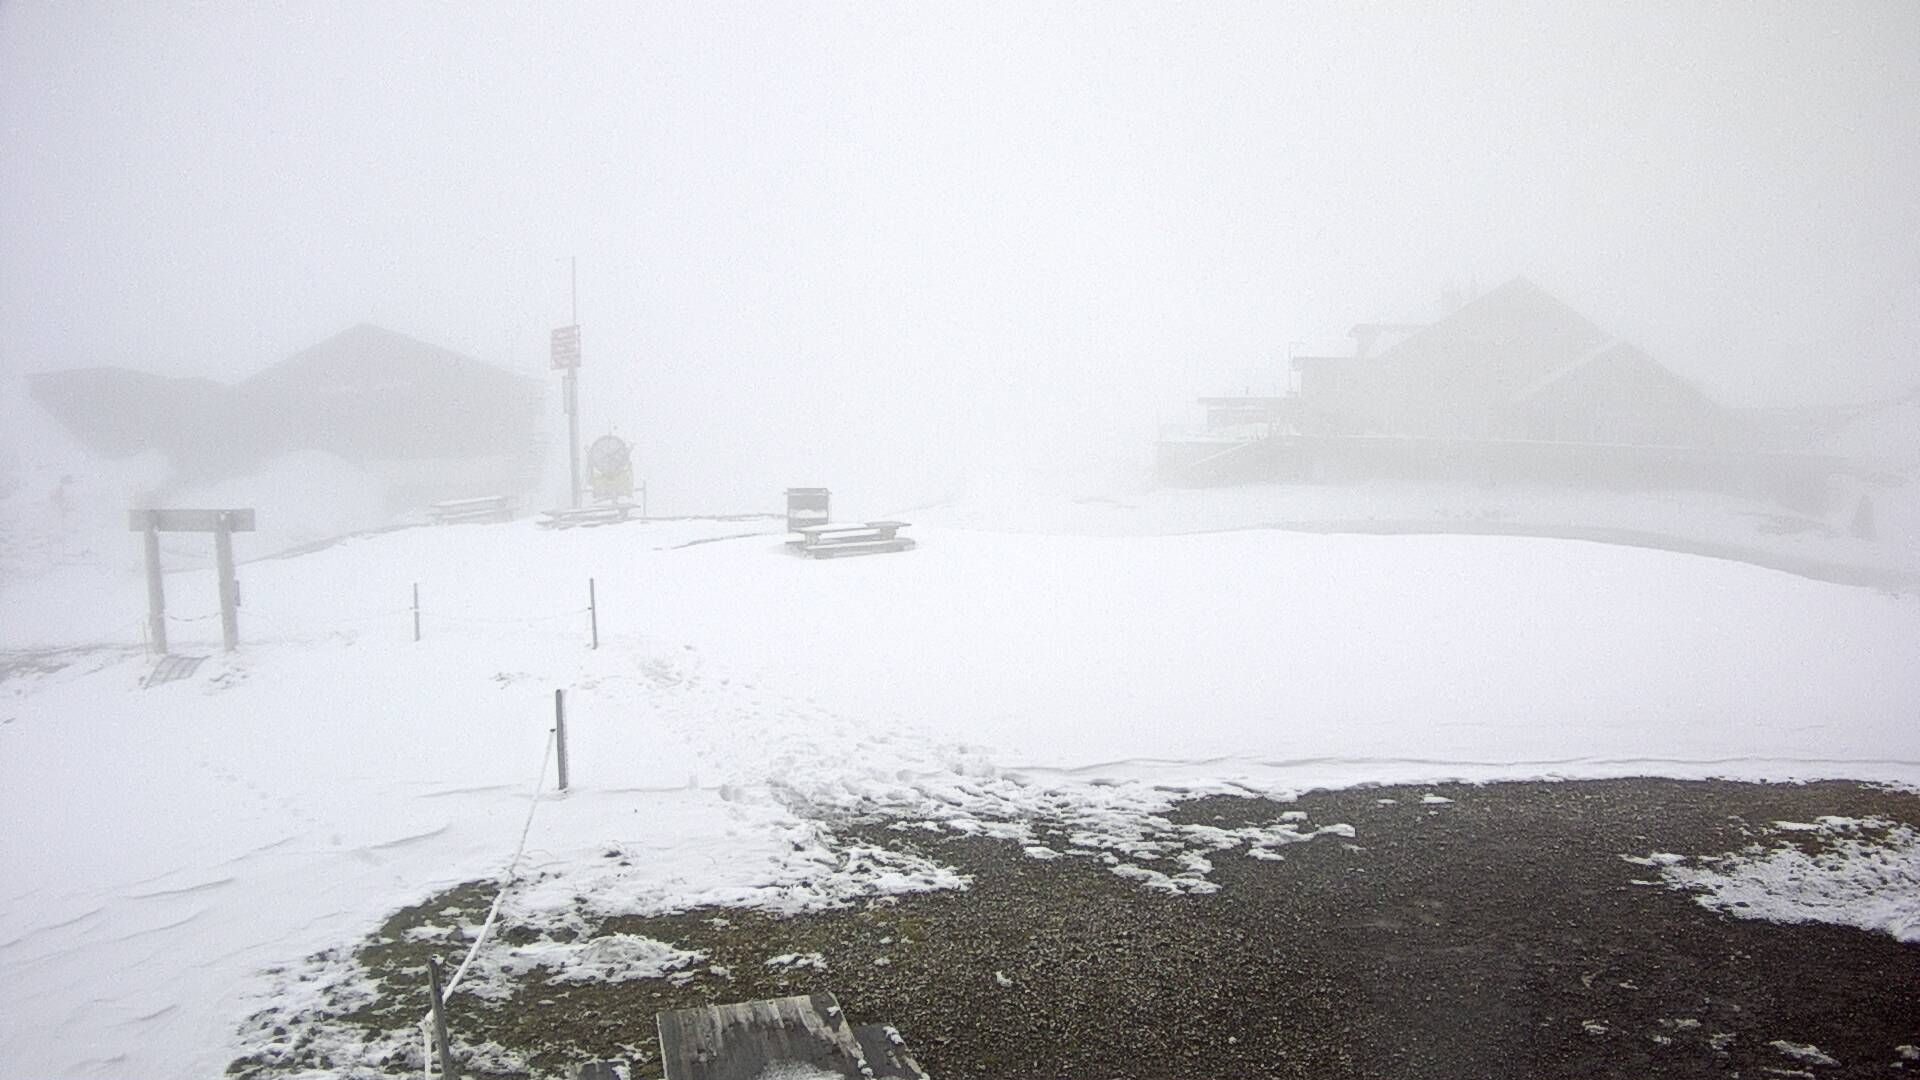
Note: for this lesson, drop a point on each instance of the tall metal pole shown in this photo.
(572, 389)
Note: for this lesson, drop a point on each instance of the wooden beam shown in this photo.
(229, 586)
(190, 520)
(156, 594)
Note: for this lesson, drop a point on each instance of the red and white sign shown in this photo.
(566, 346)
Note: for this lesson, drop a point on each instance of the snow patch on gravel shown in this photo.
(608, 958)
(812, 960)
(1803, 1052)
(1860, 872)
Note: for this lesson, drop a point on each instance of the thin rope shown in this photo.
(501, 622)
(493, 913)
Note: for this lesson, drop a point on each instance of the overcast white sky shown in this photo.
(901, 217)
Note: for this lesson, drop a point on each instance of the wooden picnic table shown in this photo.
(573, 517)
(852, 538)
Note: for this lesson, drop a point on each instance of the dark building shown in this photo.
(427, 421)
(1512, 386)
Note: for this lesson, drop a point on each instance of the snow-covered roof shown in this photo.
(1566, 369)
(1504, 339)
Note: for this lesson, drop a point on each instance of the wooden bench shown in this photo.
(587, 516)
(861, 538)
(808, 1035)
(458, 511)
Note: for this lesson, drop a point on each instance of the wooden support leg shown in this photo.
(229, 587)
(156, 593)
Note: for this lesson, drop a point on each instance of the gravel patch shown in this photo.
(1496, 934)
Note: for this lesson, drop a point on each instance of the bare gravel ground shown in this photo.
(1499, 935)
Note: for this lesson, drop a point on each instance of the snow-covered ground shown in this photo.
(166, 847)
(1818, 544)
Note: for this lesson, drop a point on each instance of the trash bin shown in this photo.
(806, 506)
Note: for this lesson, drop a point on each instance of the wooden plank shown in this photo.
(851, 526)
(742, 1041)
(613, 514)
(841, 536)
(189, 520)
(859, 547)
(170, 668)
(887, 1053)
(849, 537)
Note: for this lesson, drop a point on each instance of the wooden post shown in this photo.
(440, 1021)
(416, 611)
(593, 614)
(156, 591)
(560, 734)
(229, 587)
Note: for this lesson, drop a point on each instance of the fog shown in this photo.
(950, 244)
(1388, 527)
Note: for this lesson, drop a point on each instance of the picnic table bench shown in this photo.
(804, 1035)
(582, 516)
(852, 538)
(484, 508)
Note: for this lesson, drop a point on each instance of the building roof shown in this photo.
(364, 394)
(1499, 342)
(1567, 369)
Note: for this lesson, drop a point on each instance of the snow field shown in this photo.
(167, 847)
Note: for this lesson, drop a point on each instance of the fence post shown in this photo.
(440, 1020)
(229, 585)
(593, 614)
(416, 611)
(560, 734)
(156, 589)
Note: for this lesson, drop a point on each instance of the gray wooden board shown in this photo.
(739, 1042)
(189, 520)
(587, 516)
(856, 547)
(171, 668)
(887, 1053)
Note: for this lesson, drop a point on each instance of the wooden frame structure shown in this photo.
(222, 524)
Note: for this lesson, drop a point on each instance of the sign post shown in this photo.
(156, 591)
(222, 524)
(566, 359)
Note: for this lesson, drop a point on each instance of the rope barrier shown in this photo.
(576, 613)
(493, 913)
(294, 624)
(291, 622)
